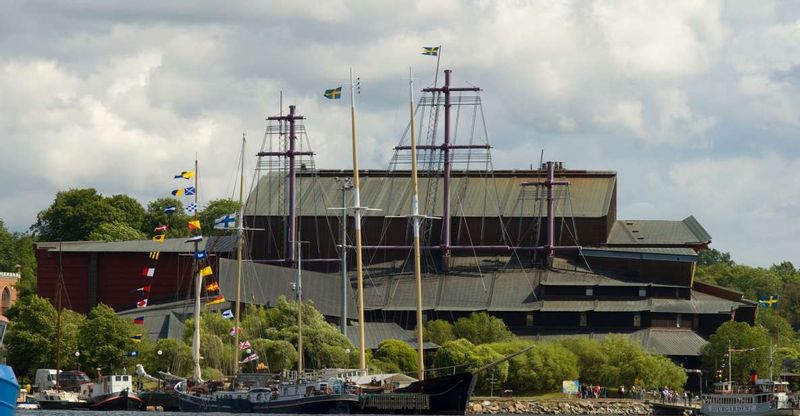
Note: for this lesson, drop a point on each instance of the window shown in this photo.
(529, 319)
(637, 320)
(5, 301)
(583, 319)
(678, 320)
(642, 292)
(590, 291)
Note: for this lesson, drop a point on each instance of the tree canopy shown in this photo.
(481, 328)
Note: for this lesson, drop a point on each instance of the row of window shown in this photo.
(637, 320)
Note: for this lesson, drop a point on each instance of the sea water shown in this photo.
(135, 413)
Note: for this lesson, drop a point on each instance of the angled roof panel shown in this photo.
(657, 232)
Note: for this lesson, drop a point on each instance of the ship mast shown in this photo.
(416, 220)
(196, 376)
(357, 208)
(58, 319)
(240, 243)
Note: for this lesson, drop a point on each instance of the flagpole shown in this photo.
(357, 213)
(240, 243)
(197, 291)
(416, 219)
(438, 59)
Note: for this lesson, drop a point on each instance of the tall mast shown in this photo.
(196, 376)
(357, 214)
(416, 219)
(58, 320)
(239, 245)
(299, 284)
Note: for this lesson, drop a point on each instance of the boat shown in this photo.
(51, 395)
(301, 393)
(111, 392)
(759, 397)
(9, 389)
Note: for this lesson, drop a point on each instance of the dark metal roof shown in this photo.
(476, 194)
(263, 284)
(679, 254)
(655, 232)
(588, 279)
(218, 244)
(162, 321)
(377, 332)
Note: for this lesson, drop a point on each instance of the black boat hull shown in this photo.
(167, 401)
(61, 405)
(122, 400)
(323, 404)
(448, 395)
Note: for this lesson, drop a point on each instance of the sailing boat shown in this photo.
(447, 395)
(56, 397)
(304, 393)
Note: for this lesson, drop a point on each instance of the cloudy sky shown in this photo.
(695, 104)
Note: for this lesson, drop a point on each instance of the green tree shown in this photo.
(105, 339)
(214, 210)
(591, 357)
(438, 331)
(74, 214)
(752, 281)
(540, 369)
(714, 256)
(116, 231)
(481, 328)
(26, 259)
(278, 354)
(399, 353)
(789, 304)
(132, 212)
(453, 355)
(776, 326)
(740, 336)
(175, 357)
(176, 222)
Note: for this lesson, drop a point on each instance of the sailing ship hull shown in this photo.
(163, 399)
(61, 404)
(122, 400)
(323, 404)
(448, 395)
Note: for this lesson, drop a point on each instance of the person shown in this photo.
(596, 391)
(622, 391)
(686, 398)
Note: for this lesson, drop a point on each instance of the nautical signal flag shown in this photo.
(233, 331)
(431, 50)
(149, 271)
(154, 255)
(251, 357)
(261, 366)
(191, 208)
(216, 300)
(194, 224)
(142, 303)
(333, 93)
(160, 228)
(200, 255)
(225, 222)
(197, 238)
(244, 345)
(206, 271)
(139, 320)
(212, 287)
(159, 238)
(170, 209)
(185, 175)
(136, 338)
(227, 314)
(189, 191)
(769, 302)
(144, 289)
(177, 192)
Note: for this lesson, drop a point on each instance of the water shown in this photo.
(135, 413)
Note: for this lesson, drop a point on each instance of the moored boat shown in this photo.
(112, 392)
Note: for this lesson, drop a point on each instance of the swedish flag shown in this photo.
(334, 93)
(769, 302)
(430, 50)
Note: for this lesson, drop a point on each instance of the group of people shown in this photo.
(588, 391)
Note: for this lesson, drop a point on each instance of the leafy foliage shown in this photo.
(115, 231)
(214, 210)
(155, 216)
(438, 331)
(399, 353)
(75, 213)
(481, 328)
(104, 339)
(737, 335)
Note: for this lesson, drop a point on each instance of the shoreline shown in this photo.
(565, 406)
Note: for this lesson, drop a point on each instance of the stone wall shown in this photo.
(560, 407)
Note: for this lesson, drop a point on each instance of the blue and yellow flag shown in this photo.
(333, 94)
(431, 50)
(769, 302)
(185, 175)
(136, 338)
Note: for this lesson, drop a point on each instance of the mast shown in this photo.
(416, 219)
(196, 376)
(239, 244)
(299, 312)
(730, 376)
(357, 213)
(58, 320)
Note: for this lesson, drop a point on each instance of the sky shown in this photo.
(695, 104)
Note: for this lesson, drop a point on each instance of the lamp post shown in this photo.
(78, 359)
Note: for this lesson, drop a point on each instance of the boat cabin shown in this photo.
(107, 385)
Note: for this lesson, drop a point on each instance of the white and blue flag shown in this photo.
(191, 208)
(225, 222)
(227, 314)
